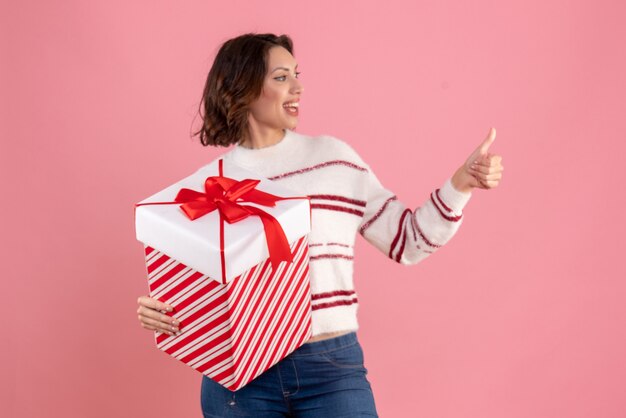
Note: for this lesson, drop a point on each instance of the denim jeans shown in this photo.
(323, 379)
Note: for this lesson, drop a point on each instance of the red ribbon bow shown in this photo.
(227, 195)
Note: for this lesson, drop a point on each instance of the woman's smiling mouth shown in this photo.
(292, 108)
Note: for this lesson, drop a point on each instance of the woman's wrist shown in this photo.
(460, 181)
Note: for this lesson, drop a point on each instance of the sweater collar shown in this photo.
(252, 156)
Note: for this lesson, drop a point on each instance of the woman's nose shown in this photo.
(297, 87)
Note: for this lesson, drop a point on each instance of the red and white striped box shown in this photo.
(235, 324)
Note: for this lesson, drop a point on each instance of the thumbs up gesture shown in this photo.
(482, 169)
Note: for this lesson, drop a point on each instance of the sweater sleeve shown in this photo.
(409, 236)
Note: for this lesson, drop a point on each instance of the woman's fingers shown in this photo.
(152, 303)
(490, 184)
(150, 321)
(154, 324)
(487, 184)
(488, 165)
(150, 327)
(487, 177)
(487, 169)
(156, 315)
(487, 172)
(151, 315)
(489, 159)
(153, 328)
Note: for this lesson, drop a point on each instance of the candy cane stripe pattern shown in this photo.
(234, 332)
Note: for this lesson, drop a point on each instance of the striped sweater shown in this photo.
(346, 198)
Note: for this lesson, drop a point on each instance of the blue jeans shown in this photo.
(320, 379)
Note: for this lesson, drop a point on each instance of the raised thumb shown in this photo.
(484, 147)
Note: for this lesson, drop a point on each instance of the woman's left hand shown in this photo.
(481, 170)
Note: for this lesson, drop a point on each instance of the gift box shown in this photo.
(229, 251)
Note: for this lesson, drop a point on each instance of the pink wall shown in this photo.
(521, 315)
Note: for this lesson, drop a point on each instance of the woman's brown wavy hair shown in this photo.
(234, 81)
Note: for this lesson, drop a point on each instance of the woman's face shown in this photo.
(277, 106)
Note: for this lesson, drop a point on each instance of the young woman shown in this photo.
(251, 100)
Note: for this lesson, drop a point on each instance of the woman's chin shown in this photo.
(292, 123)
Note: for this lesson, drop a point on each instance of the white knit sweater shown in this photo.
(346, 198)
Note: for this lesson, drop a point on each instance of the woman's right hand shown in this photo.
(481, 170)
(151, 316)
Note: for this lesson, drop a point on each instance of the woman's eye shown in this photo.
(284, 77)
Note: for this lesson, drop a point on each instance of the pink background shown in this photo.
(521, 315)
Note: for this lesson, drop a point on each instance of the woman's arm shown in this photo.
(409, 236)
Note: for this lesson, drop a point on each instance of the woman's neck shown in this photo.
(262, 137)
